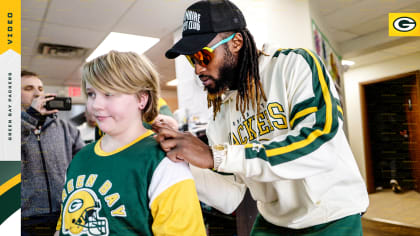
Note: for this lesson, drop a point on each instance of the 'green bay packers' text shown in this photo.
(270, 119)
(111, 199)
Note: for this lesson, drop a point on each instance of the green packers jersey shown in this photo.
(133, 190)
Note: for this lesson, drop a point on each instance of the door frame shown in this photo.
(366, 137)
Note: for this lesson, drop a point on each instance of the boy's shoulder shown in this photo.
(149, 142)
(148, 146)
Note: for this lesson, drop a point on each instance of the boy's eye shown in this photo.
(90, 94)
(108, 94)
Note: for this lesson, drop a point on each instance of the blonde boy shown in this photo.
(123, 184)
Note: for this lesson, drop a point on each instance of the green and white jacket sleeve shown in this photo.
(298, 132)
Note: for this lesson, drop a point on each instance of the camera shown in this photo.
(59, 103)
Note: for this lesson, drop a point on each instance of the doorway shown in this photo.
(391, 123)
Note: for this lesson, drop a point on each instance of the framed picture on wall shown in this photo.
(330, 57)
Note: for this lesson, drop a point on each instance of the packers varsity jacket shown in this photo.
(293, 155)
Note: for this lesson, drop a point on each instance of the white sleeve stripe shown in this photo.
(166, 174)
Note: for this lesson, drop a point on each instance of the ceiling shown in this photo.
(86, 23)
(358, 27)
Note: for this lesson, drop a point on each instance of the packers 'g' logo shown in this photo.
(81, 214)
(404, 24)
(75, 205)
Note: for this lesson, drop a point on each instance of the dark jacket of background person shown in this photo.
(45, 161)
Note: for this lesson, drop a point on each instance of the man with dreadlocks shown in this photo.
(276, 127)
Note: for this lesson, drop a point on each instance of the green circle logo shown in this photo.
(404, 24)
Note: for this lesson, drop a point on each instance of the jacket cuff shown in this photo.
(228, 158)
(233, 162)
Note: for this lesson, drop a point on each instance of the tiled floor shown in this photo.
(402, 208)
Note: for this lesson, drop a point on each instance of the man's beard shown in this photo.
(227, 75)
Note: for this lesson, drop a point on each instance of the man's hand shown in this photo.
(183, 146)
(166, 119)
(39, 104)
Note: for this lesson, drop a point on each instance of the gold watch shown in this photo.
(219, 154)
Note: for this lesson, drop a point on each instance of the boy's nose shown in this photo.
(97, 103)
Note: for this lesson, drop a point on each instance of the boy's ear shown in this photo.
(143, 99)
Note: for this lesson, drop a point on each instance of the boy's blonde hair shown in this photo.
(124, 72)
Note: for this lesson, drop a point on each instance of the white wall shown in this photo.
(352, 78)
(286, 23)
(192, 100)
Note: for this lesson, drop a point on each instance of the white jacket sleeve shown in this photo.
(219, 191)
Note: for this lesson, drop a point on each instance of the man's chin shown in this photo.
(215, 92)
(210, 90)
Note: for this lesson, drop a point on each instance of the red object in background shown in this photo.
(74, 92)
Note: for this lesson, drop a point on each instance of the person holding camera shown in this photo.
(48, 144)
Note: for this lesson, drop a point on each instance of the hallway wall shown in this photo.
(353, 114)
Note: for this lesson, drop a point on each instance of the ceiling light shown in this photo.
(123, 43)
(173, 82)
(347, 63)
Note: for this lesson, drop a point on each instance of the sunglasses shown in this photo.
(205, 55)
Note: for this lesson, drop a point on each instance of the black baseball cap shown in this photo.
(202, 21)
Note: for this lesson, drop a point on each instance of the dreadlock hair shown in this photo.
(250, 91)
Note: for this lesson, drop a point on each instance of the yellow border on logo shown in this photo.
(413, 19)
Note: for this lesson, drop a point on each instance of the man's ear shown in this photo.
(237, 43)
(143, 99)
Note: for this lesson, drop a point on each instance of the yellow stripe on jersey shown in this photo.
(58, 227)
(340, 110)
(100, 152)
(302, 114)
(10, 184)
(176, 211)
(316, 133)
